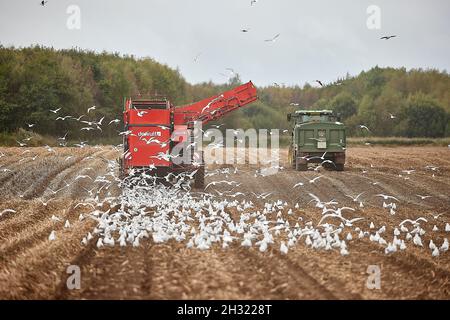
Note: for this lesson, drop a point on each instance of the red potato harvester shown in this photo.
(153, 127)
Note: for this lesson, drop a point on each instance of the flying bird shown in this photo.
(361, 126)
(141, 113)
(63, 118)
(355, 199)
(438, 215)
(387, 37)
(423, 197)
(273, 39)
(21, 143)
(413, 221)
(386, 197)
(7, 211)
(91, 108)
(197, 56)
(319, 82)
(315, 179)
(55, 111)
(114, 121)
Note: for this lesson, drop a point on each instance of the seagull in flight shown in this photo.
(262, 195)
(43, 2)
(197, 56)
(91, 108)
(7, 211)
(141, 113)
(21, 144)
(211, 102)
(438, 215)
(252, 2)
(355, 199)
(81, 176)
(55, 111)
(335, 215)
(114, 121)
(361, 126)
(319, 82)
(386, 197)
(298, 184)
(387, 37)
(423, 197)
(315, 179)
(316, 157)
(245, 30)
(45, 203)
(413, 221)
(63, 118)
(273, 39)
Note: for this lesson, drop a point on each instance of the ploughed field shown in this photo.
(247, 236)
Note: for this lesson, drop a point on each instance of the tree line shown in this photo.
(35, 80)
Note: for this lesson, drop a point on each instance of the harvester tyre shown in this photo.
(199, 178)
(301, 166)
(292, 157)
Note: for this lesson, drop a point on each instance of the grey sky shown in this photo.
(318, 39)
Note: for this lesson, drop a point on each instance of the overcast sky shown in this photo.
(318, 39)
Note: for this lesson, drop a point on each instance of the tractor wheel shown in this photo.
(199, 178)
(300, 166)
(121, 169)
(339, 167)
(291, 157)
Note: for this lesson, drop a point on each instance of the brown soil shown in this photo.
(31, 266)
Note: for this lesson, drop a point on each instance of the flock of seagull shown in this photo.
(169, 211)
(223, 214)
(201, 220)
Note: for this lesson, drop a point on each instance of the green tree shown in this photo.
(344, 105)
(425, 117)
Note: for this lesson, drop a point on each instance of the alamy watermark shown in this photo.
(74, 19)
(373, 21)
(251, 146)
(374, 278)
(74, 279)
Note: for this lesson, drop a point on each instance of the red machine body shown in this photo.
(154, 126)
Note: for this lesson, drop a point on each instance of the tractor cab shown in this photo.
(302, 116)
(155, 103)
(317, 136)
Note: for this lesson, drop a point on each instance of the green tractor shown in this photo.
(317, 137)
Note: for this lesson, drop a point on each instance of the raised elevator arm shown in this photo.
(215, 107)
